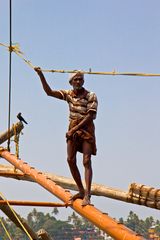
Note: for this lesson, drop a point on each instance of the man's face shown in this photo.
(77, 82)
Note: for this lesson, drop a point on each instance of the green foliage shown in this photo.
(75, 226)
(141, 226)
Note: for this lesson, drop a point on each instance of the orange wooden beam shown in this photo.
(31, 203)
(115, 229)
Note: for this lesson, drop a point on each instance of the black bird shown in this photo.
(19, 116)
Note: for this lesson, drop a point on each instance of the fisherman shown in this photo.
(81, 131)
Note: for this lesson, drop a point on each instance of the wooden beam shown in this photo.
(137, 194)
(31, 203)
(115, 229)
(4, 136)
(9, 171)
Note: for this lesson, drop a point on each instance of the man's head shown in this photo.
(76, 79)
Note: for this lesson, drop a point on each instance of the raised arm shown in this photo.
(46, 87)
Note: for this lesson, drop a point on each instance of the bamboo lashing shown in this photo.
(4, 136)
(144, 195)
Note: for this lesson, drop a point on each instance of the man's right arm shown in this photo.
(46, 87)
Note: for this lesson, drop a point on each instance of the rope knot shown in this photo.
(15, 48)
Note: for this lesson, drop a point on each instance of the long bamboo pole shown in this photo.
(139, 194)
(65, 182)
(115, 229)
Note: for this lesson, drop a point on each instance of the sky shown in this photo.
(102, 35)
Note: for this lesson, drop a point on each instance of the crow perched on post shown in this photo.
(19, 116)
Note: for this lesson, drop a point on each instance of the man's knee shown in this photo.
(71, 160)
(87, 160)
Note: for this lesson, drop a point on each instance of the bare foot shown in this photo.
(86, 200)
(77, 195)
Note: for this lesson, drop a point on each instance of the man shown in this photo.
(81, 132)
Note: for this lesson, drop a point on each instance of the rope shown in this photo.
(10, 73)
(16, 50)
(16, 216)
(5, 229)
(16, 140)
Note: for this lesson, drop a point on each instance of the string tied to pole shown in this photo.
(5, 229)
(16, 216)
(16, 49)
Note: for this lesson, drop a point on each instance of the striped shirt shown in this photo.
(80, 106)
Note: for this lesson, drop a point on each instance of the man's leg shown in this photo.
(72, 162)
(87, 149)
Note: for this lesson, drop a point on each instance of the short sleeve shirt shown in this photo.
(80, 106)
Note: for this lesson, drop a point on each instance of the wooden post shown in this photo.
(4, 136)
